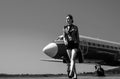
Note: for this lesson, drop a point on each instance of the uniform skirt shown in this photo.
(72, 45)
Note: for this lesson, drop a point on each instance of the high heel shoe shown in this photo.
(71, 74)
(75, 76)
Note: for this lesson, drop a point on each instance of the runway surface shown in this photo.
(79, 77)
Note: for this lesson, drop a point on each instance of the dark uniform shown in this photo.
(71, 36)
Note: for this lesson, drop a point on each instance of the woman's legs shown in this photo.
(75, 73)
(68, 64)
(69, 53)
(72, 64)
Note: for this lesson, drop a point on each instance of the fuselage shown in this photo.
(92, 49)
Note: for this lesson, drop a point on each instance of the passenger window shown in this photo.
(98, 45)
(111, 47)
(103, 45)
(93, 44)
(107, 46)
(119, 48)
(115, 47)
(89, 43)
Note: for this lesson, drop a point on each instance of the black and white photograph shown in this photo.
(59, 39)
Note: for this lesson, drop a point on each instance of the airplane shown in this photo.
(91, 50)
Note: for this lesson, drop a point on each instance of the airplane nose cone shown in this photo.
(51, 49)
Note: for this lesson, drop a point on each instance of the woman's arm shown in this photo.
(64, 37)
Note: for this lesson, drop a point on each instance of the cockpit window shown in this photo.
(60, 38)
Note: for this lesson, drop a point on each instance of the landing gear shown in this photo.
(99, 70)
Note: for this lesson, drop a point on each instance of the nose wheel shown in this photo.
(99, 70)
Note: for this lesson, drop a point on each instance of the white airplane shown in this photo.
(92, 50)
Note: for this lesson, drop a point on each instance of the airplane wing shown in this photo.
(52, 60)
(56, 60)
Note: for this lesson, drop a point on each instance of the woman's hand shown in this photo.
(65, 42)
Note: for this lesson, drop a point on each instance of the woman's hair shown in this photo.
(71, 17)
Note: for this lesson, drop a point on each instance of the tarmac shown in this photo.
(79, 77)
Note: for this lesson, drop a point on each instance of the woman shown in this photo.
(71, 41)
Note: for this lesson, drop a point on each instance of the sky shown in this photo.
(26, 26)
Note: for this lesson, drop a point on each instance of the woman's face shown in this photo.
(68, 20)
